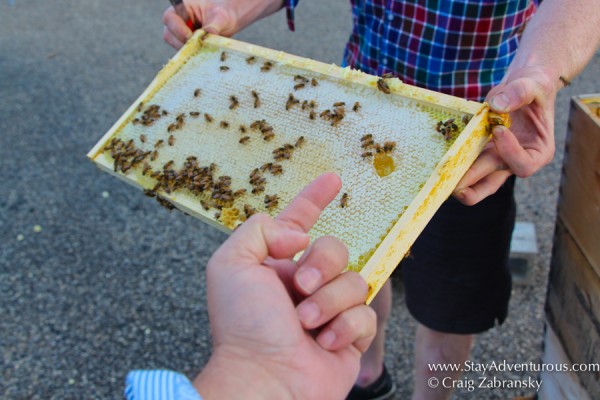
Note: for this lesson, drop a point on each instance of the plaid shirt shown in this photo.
(459, 47)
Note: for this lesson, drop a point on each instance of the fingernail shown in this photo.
(309, 279)
(308, 312)
(327, 339)
(459, 194)
(500, 102)
(498, 132)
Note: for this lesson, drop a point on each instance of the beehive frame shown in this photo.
(456, 157)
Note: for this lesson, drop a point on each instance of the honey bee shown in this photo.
(268, 136)
(314, 82)
(239, 192)
(234, 103)
(266, 67)
(312, 114)
(465, 119)
(251, 60)
(208, 117)
(149, 192)
(276, 169)
(154, 155)
(224, 124)
(340, 112)
(299, 86)
(249, 211)
(140, 106)
(194, 114)
(168, 165)
(223, 56)
(344, 200)
(300, 142)
(146, 168)
(257, 180)
(135, 121)
(438, 126)
(204, 205)
(143, 138)
(291, 101)
(165, 203)
(383, 86)
(224, 68)
(356, 107)
(387, 75)
(271, 201)
(368, 136)
(217, 216)
(171, 140)
(245, 139)
(378, 148)
(258, 189)
(339, 104)
(256, 99)
(300, 78)
(266, 167)
(366, 154)
(197, 92)
(389, 146)
(212, 167)
(326, 115)
(171, 127)
(243, 129)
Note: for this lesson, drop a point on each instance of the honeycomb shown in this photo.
(228, 129)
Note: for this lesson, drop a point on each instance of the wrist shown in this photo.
(230, 376)
(548, 77)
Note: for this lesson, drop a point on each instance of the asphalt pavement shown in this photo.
(96, 279)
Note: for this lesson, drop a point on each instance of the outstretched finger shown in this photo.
(305, 209)
(347, 290)
(324, 260)
(355, 326)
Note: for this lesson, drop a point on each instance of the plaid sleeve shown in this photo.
(290, 5)
(159, 385)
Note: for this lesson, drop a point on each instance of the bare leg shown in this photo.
(441, 348)
(371, 363)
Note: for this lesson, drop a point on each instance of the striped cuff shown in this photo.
(159, 385)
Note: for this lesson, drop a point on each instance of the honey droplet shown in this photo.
(384, 164)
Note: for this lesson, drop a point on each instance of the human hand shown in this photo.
(528, 94)
(221, 17)
(285, 329)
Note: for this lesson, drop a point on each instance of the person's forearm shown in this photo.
(561, 38)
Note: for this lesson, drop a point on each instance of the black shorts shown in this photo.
(457, 278)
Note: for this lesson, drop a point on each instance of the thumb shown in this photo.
(513, 95)
(256, 239)
(218, 21)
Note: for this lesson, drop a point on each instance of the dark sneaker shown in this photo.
(383, 388)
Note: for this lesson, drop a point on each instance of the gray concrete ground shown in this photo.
(95, 279)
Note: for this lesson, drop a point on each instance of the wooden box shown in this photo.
(573, 299)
